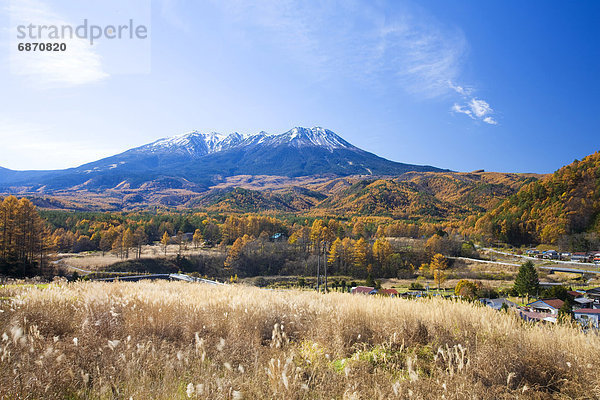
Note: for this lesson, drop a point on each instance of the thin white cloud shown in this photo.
(464, 91)
(490, 121)
(476, 109)
(462, 109)
(78, 65)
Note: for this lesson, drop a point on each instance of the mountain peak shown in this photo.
(316, 136)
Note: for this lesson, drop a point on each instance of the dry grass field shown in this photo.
(94, 260)
(177, 341)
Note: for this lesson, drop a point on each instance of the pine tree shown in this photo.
(527, 282)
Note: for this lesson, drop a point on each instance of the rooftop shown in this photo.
(587, 311)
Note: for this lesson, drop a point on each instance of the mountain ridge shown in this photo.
(203, 159)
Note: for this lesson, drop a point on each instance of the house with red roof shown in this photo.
(388, 292)
(363, 290)
(546, 306)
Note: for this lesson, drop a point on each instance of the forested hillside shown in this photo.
(23, 237)
(401, 200)
(553, 210)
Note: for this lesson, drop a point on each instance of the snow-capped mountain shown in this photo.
(200, 144)
(202, 159)
(193, 143)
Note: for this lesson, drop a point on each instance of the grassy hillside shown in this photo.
(566, 202)
(179, 341)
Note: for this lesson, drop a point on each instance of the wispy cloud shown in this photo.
(477, 109)
(359, 39)
(465, 91)
(78, 65)
(405, 48)
(490, 121)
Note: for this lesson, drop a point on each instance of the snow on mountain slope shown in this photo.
(317, 136)
(198, 144)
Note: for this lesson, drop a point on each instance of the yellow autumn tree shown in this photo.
(197, 239)
(361, 253)
(127, 241)
(334, 257)
(382, 250)
(437, 267)
(236, 251)
(165, 241)
(22, 243)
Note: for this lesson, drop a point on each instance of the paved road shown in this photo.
(570, 270)
(551, 268)
(484, 261)
(534, 258)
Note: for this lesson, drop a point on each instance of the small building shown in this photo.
(546, 306)
(584, 302)
(579, 257)
(388, 292)
(565, 256)
(551, 255)
(593, 293)
(546, 285)
(496, 304)
(363, 290)
(278, 237)
(587, 317)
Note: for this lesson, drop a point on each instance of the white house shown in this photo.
(547, 306)
(588, 317)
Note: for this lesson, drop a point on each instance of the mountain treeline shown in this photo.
(23, 238)
(562, 209)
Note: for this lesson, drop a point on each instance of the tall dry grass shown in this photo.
(176, 340)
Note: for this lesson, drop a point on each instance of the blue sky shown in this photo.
(500, 85)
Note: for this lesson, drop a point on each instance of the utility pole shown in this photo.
(318, 265)
(325, 263)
